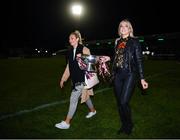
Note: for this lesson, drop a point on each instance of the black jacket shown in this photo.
(133, 59)
(76, 74)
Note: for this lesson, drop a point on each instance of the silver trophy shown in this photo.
(91, 61)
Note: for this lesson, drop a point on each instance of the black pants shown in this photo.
(124, 86)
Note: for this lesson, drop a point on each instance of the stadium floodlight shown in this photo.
(160, 39)
(98, 43)
(76, 9)
(141, 40)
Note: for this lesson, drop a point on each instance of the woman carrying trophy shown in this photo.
(77, 76)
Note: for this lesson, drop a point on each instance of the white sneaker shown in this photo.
(62, 125)
(90, 114)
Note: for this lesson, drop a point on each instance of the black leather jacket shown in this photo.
(133, 57)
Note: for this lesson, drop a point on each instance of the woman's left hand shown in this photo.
(144, 84)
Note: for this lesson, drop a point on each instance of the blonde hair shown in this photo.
(77, 35)
(131, 34)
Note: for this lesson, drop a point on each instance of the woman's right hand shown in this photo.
(144, 84)
(61, 83)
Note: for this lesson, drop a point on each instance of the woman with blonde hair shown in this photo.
(127, 65)
(78, 78)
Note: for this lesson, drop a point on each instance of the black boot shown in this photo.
(121, 130)
(128, 129)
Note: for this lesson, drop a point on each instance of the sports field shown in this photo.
(31, 103)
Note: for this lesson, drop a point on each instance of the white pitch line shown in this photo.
(41, 107)
(31, 110)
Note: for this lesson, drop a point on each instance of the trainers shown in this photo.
(90, 114)
(62, 125)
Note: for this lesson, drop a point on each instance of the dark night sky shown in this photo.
(47, 23)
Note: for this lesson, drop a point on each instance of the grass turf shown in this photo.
(29, 83)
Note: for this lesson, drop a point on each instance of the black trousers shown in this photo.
(124, 84)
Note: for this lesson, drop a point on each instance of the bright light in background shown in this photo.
(76, 9)
(160, 39)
